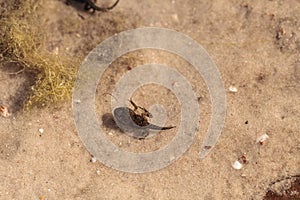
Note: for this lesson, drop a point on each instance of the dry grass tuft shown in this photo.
(21, 41)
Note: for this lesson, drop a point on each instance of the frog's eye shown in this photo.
(149, 115)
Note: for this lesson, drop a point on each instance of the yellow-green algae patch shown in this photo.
(22, 41)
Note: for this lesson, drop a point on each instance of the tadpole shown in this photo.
(134, 124)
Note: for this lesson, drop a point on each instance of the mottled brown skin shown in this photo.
(135, 125)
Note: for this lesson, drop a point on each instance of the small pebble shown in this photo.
(110, 133)
(77, 101)
(41, 130)
(233, 89)
(262, 139)
(237, 165)
(94, 159)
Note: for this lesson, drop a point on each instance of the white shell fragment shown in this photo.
(41, 130)
(233, 89)
(94, 159)
(262, 139)
(4, 111)
(110, 133)
(237, 165)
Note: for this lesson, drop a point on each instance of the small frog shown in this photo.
(134, 124)
(90, 5)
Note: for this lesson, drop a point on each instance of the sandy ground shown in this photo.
(256, 46)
